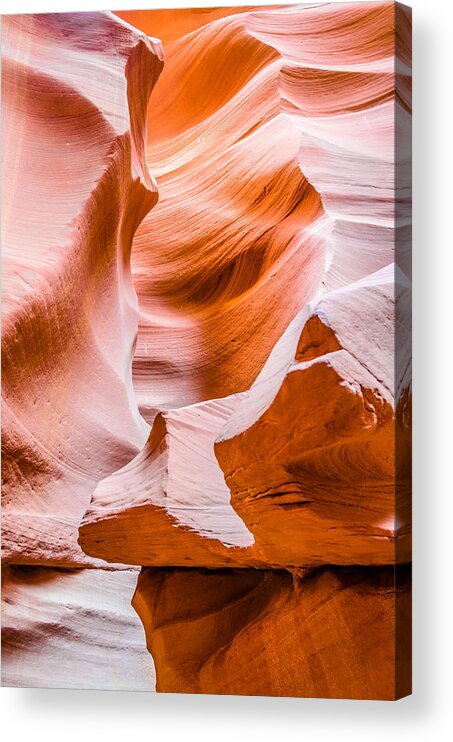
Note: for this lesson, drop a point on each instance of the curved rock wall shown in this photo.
(76, 183)
(207, 349)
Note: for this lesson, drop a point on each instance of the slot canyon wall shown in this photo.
(206, 356)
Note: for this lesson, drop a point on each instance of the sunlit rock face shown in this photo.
(238, 226)
(307, 457)
(316, 452)
(76, 184)
(318, 83)
(207, 369)
(72, 629)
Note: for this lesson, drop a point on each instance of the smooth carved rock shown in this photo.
(72, 629)
(320, 472)
(308, 455)
(334, 633)
(214, 269)
(351, 108)
(238, 242)
(170, 25)
(265, 359)
(74, 97)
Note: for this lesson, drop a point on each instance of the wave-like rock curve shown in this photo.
(269, 502)
(75, 91)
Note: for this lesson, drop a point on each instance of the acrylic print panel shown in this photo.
(206, 350)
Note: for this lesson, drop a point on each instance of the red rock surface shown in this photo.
(328, 634)
(308, 457)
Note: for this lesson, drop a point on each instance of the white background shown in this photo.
(86, 715)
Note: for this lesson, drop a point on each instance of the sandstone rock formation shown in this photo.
(308, 455)
(72, 629)
(237, 225)
(328, 634)
(212, 383)
(75, 185)
(333, 491)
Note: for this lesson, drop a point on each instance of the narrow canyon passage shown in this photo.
(203, 402)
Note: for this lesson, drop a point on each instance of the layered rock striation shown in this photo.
(67, 628)
(306, 458)
(76, 183)
(316, 453)
(75, 92)
(327, 634)
(214, 384)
